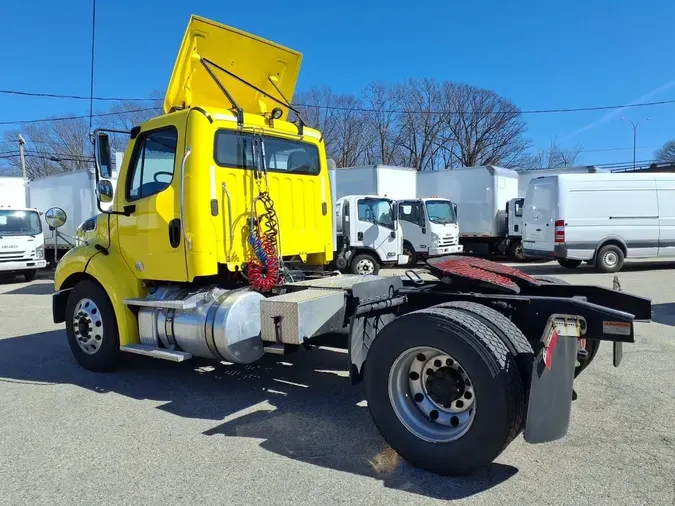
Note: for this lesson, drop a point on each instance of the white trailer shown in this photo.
(75, 193)
(21, 232)
(481, 194)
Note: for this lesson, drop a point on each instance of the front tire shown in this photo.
(364, 264)
(412, 254)
(437, 426)
(91, 327)
(516, 251)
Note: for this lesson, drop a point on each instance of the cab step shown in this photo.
(160, 353)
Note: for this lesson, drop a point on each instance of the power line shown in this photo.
(64, 118)
(365, 109)
(74, 97)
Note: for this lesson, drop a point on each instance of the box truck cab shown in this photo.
(429, 228)
(514, 227)
(368, 234)
(601, 219)
(21, 236)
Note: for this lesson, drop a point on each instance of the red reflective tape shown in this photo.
(550, 349)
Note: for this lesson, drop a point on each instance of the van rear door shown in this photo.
(539, 215)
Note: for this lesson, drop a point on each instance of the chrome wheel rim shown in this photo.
(611, 259)
(88, 326)
(365, 266)
(432, 394)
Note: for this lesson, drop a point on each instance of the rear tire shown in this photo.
(491, 373)
(412, 254)
(30, 275)
(610, 258)
(568, 263)
(91, 327)
(364, 263)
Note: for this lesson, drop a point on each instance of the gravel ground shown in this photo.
(290, 430)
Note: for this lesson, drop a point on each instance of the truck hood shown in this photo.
(249, 57)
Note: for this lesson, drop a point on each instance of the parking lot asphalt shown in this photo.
(290, 429)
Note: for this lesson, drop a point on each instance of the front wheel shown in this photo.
(91, 327)
(516, 251)
(609, 259)
(443, 390)
(365, 264)
(412, 254)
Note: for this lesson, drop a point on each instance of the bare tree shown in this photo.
(382, 124)
(341, 120)
(51, 147)
(666, 154)
(484, 128)
(551, 157)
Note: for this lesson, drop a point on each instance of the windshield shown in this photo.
(441, 212)
(376, 211)
(235, 149)
(19, 222)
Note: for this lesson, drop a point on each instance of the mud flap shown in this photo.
(550, 401)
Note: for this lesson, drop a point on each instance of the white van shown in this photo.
(600, 218)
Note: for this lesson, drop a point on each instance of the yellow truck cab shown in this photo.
(218, 195)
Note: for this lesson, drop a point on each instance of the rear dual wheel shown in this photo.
(444, 390)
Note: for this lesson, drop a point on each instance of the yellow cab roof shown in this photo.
(251, 58)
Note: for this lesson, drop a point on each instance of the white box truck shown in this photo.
(481, 194)
(384, 180)
(600, 219)
(429, 229)
(21, 231)
(75, 193)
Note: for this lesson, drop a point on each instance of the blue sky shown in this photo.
(539, 54)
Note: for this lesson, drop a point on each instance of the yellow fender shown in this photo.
(113, 274)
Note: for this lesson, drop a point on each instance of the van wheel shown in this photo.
(609, 259)
(412, 254)
(91, 327)
(569, 264)
(365, 263)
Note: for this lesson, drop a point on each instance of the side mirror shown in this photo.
(102, 155)
(56, 217)
(104, 188)
(393, 234)
(454, 208)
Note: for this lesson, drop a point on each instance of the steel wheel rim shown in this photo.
(408, 252)
(611, 259)
(365, 266)
(88, 326)
(415, 379)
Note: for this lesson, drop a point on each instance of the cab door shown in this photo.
(150, 238)
(412, 218)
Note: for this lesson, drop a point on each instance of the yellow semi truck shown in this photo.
(222, 197)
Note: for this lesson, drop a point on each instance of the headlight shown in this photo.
(40, 252)
(435, 239)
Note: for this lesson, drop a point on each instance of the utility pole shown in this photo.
(22, 141)
(635, 125)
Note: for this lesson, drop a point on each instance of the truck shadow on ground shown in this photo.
(34, 288)
(302, 405)
(552, 269)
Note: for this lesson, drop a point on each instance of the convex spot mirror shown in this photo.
(104, 189)
(56, 217)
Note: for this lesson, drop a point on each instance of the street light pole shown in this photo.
(22, 141)
(635, 125)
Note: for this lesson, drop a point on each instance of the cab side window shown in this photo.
(153, 163)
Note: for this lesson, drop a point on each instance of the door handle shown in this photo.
(359, 236)
(174, 232)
